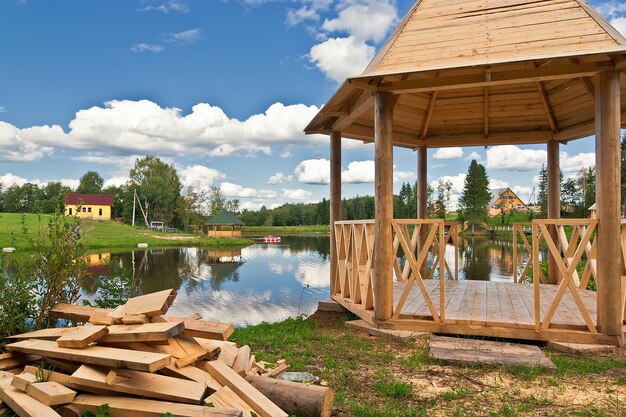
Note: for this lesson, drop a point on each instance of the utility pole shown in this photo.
(134, 204)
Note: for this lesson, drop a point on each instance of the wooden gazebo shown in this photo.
(480, 73)
(224, 224)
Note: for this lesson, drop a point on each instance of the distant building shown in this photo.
(224, 224)
(505, 199)
(93, 206)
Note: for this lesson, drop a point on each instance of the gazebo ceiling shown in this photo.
(483, 72)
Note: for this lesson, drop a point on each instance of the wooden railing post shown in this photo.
(383, 200)
(554, 203)
(335, 202)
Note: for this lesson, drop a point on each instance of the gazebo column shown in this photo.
(383, 200)
(554, 203)
(608, 199)
(422, 197)
(335, 201)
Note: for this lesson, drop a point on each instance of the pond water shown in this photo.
(263, 282)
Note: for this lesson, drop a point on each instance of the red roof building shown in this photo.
(93, 206)
(89, 199)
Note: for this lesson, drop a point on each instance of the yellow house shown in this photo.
(505, 199)
(92, 206)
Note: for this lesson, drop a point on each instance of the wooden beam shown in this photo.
(546, 105)
(383, 200)
(153, 304)
(357, 109)
(509, 77)
(608, 200)
(82, 336)
(76, 312)
(148, 332)
(96, 355)
(23, 404)
(335, 200)
(428, 116)
(422, 196)
(554, 202)
(486, 102)
(200, 328)
(50, 393)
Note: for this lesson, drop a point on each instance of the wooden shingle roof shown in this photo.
(483, 72)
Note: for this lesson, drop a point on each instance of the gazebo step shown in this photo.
(396, 334)
(331, 306)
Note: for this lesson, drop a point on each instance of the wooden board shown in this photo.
(147, 333)
(13, 360)
(65, 380)
(253, 397)
(135, 407)
(45, 334)
(226, 398)
(154, 304)
(76, 312)
(202, 328)
(23, 404)
(22, 381)
(82, 336)
(143, 384)
(241, 364)
(192, 373)
(50, 393)
(458, 350)
(95, 355)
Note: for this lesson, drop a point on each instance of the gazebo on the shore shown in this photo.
(224, 224)
(481, 73)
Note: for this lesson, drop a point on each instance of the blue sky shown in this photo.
(220, 88)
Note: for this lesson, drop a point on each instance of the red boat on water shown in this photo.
(270, 239)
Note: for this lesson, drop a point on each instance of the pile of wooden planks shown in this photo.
(141, 362)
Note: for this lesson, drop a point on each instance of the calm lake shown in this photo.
(263, 282)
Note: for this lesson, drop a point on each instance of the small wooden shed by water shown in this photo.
(224, 224)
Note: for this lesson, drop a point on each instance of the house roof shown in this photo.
(225, 218)
(482, 72)
(89, 199)
(495, 195)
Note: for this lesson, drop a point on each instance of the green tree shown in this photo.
(90, 183)
(217, 201)
(542, 197)
(157, 185)
(443, 199)
(476, 196)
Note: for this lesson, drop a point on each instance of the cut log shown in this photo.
(45, 334)
(201, 328)
(14, 360)
(192, 373)
(295, 398)
(226, 398)
(22, 381)
(145, 333)
(76, 312)
(50, 393)
(95, 355)
(80, 337)
(142, 384)
(241, 364)
(65, 380)
(154, 304)
(23, 404)
(135, 319)
(257, 401)
(135, 407)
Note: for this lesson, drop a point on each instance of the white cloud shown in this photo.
(317, 171)
(458, 182)
(68, 182)
(619, 23)
(339, 58)
(313, 275)
(279, 178)
(474, 155)
(147, 47)
(296, 194)
(257, 204)
(448, 153)
(611, 8)
(130, 127)
(166, 6)
(2, 109)
(186, 37)
(199, 176)
(297, 16)
(495, 183)
(523, 192)
(235, 190)
(514, 158)
(9, 179)
(115, 182)
(369, 20)
(18, 146)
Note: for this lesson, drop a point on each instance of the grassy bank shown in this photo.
(285, 230)
(388, 378)
(108, 234)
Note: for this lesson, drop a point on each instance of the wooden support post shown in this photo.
(554, 203)
(608, 198)
(383, 200)
(335, 201)
(422, 198)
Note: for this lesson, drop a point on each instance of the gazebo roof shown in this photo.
(483, 72)
(224, 218)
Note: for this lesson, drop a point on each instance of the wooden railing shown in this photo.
(567, 253)
(623, 245)
(519, 237)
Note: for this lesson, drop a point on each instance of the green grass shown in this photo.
(285, 230)
(109, 234)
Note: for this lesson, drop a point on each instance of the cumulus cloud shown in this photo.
(279, 178)
(186, 37)
(235, 190)
(611, 8)
(9, 179)
(165, 6)
(369, 20)
(514, 158)
(296, 194)
(2, 109)
(317, 171)
(448, 153)
(474, 155)
(495, 183)
(619, 23)
(115, 182)
(147, 47)
(297, 16)
(199, 176)
(128, 127)
(339, 58)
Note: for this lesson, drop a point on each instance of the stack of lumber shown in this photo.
(141, 362)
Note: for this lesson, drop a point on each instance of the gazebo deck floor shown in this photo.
(489, 308)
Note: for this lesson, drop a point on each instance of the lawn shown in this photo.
(285, 230)
(389, 378)
(107, 234)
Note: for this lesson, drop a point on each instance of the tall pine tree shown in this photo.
(476, 196)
